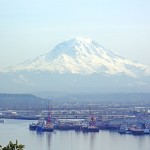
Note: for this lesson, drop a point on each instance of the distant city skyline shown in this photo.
(29, 28)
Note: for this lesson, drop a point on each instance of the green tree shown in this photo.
(13, 146)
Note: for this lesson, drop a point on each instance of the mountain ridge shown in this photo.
(85, 57)
(22, 101)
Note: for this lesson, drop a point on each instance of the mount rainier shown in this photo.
(76, 64)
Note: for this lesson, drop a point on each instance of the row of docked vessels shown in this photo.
(49, 126)
(84, 126)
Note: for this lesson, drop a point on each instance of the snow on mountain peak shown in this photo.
(73, 45)
(78, 46)
(82, 56)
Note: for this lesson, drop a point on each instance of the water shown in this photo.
(69, 140)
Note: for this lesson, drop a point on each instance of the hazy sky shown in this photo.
(29, 28)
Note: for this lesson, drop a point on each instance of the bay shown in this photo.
(69, 140)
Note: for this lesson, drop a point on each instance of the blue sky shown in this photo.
(29, 28)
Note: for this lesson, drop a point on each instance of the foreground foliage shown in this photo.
(13, 146)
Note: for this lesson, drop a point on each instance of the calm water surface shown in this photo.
(69, 140)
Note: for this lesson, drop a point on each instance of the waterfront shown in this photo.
(69, 140)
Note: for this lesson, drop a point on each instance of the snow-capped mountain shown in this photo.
(76, 64)
(82, 56)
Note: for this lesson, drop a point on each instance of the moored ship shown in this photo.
(136, 131)
(32, 126)
(43, 125)
(91, 126)
(49, 127)
(39, 124)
